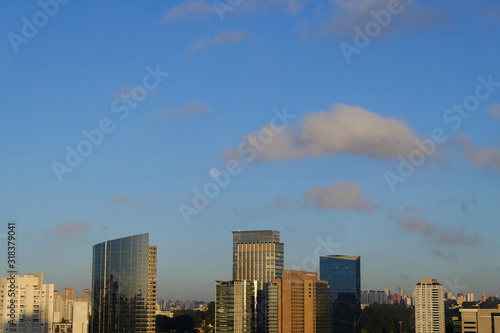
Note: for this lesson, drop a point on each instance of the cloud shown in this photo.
(196, 9)
(105, 227)
(284, 203)
(345, 15)
(222, 38)
(439, 254)
(342, 195)
(121, 199)
(68, 229)
(188, 9)
(494, 110)
(192, 109)
(411, 209)
(488, 158)
(344, 129)
(431, 231)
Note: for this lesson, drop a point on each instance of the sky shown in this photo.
(361, 127)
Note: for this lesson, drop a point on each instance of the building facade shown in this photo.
(30, 308)
(236, 306)
(429, 306)
(299, 303)
(121, 288)
(343, 274)
(480, 320)
(257, 255)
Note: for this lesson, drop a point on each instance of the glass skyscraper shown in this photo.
(343, 275)
(122, 286)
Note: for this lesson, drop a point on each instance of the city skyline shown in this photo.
(187, 121)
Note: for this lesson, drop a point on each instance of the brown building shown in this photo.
(298, 302)
(69, 294)
(152, 289)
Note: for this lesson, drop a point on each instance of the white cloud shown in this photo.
(342, 195)
(344, 129)
(455, 236)
(121, 199)
(224, 37)
(68, 229)
(488, 157)
(345, 15)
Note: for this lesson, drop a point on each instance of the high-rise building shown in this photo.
(80, 320)
(236, 306)
(257, 259)
(298, 302)
(494, 295)
(429, 306)
(471, 297)
(372, 297)
(32, 304)
(69, 294)
(400, 291)
(257, 255)
(152, 259)
(480, 320)
(484, 297)
(86, 295)
(122, 286)
(343, 274)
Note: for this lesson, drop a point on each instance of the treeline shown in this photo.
(187, 321)
(385, 318)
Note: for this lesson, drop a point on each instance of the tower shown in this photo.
(123, 285)
(343, 274)
(429, 307)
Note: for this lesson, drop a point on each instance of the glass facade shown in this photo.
(120, 285)
(236, 306)
(343, 275)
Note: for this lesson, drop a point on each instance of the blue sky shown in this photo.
(336, 103)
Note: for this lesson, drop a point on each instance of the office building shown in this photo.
(33, 307)
(429, 306)
(480, 320)
(298, 302)
(372, 297)
(257, 255)
(122, 289)
(343, 274)
(69, 294)
(400, 291)
(236, 306)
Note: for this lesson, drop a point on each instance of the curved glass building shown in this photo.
(123, 285)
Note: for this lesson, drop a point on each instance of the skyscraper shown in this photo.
(123, 286)
(257, 255)
(299, 303)
(69, 294)
(343, 274)
(236, 305)
(30, 308)
(429, 306)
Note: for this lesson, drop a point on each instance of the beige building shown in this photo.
(80, 318)
(480, 320)
(30, 307)
(69, 294)
(299, 302)
(257, 255)
(152, 288)
(429, 307)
